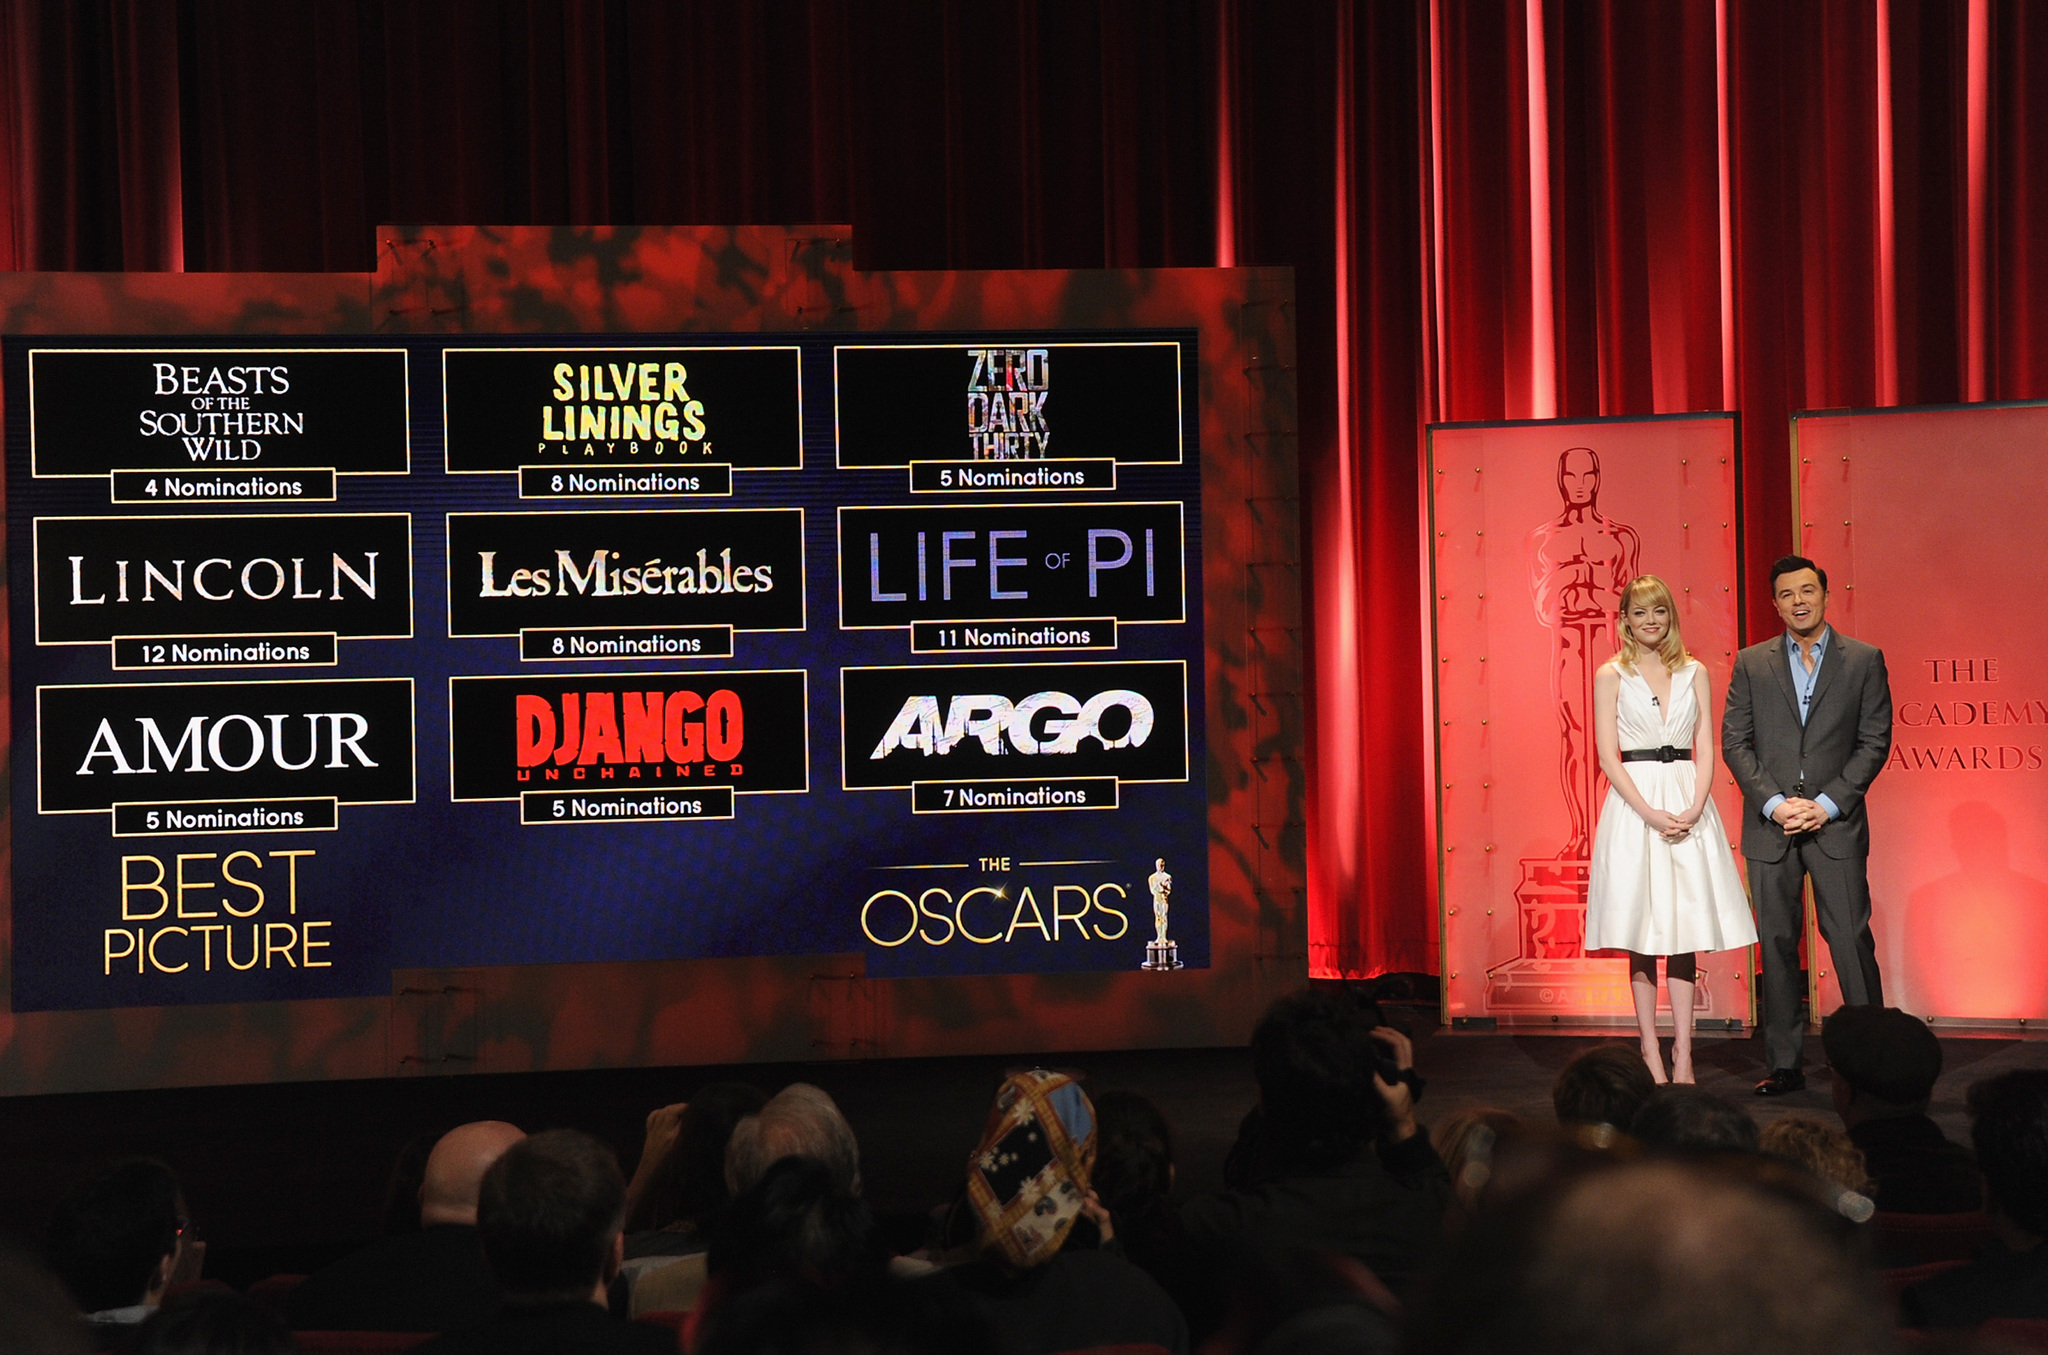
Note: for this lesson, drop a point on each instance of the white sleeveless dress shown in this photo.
(1645, 894)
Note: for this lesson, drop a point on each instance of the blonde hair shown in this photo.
(1650, 590)
(1820, 1148)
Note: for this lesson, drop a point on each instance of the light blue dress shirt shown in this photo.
(1803, 683)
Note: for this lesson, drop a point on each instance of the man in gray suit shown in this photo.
(1807, 728)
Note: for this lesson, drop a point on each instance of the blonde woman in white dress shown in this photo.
(1663, 879)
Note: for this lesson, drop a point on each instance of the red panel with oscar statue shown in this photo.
(1537, 528)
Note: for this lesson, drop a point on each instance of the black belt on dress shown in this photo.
(1665, 754)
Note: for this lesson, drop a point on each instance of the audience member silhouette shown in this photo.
(796, 1223)
(2009, 1278)
(434, 1279)
(1680, 1118)
(798, 1121)
(679, 1186)
(36, 1314)
(1655, 1258)
(1134, 1173)
(1607, 1084)
(402, 1187)
(1465, 1141)
(1331, 1160)
(1885, 1064)
(1828, 1155)
(212, 1322)
(889, 1317)
(1040, 1267)
(118, 1242)
(551, 1215)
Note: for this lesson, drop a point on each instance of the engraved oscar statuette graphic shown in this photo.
(1580, 561)
(1160, 953)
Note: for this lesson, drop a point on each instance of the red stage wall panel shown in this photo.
(1536, 528)
(1929, 525)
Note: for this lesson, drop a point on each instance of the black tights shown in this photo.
(1685, 968)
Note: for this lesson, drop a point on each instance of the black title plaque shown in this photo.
(651, 805)
(199, 488)
(1060, 475)
(611, 643)
(162, 743)
(97, 410)
(345, 573)
(151, 653)
(627, 731)
(1126, 720)
(741, 567)
(1010, 796)
(623, 407)
(709, 481)
(1012, 637)
(190, 819)
(1012, 401)
(899, 565)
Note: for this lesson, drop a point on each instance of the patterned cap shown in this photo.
(1030, 1172)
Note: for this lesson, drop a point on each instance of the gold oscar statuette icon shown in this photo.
(1160, 953)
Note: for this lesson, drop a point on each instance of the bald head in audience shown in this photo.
(456, 1167)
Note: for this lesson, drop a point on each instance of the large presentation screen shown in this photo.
(337, 657)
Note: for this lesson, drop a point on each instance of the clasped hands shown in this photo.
(1797, 815)
(1672, 827)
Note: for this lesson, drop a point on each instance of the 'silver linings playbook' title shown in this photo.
(512, 407)
(634, 402)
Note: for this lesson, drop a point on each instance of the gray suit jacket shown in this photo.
(1842, 745)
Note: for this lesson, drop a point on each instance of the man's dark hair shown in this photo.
(1792, 564)
(797, 1221)
(1605, 1085)
(212, 1322)
(2009, 1130)
(1883, 1052)
(1686, 1119)
(547, 1214)
(1314, 1057)
(1133, 1156)
(109, 1235)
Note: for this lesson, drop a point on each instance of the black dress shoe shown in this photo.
(1781, 1082)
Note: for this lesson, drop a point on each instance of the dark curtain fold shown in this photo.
(1525, 218)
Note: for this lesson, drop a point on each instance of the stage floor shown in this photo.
(286, 1177)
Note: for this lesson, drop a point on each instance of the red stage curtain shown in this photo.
(1495, 208)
